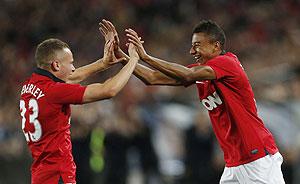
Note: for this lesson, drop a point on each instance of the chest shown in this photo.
(208, 94)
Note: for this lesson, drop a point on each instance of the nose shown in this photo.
(73, 68)
(192, 51)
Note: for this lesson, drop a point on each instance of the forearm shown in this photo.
(142, 72)
(173, 70)
(84, 72)
(110, 87)
(117, 82)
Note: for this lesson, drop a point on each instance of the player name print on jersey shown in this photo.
(32, 89)
(211, 102)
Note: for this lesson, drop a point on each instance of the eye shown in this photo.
(197, 44)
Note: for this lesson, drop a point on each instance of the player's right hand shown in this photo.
(109, 56)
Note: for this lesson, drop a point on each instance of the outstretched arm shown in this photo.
(84, 72)
(150, 76)
(144, 73)
(174, 70)
(112, 86)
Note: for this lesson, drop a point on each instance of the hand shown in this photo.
(109, 57)
(109, 32)
(132, 51)
(134, 38)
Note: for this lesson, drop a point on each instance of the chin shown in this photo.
(200, 61)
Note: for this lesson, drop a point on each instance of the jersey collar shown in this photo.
(47, 74)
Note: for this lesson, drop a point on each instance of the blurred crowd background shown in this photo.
(152, 134)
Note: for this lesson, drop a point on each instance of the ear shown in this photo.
(55, 65)
(218, 45)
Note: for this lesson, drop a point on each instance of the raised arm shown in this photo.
(144, 73)
(184, 74)
(84, 72)
(112, 86)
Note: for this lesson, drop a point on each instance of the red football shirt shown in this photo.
(230, 102)
(45, 110)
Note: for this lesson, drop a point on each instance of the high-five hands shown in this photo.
(109, 32)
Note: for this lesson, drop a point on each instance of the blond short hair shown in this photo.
(46, 51)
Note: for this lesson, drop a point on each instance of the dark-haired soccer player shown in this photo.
(250, 152)
(45, 105)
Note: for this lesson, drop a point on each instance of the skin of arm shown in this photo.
(184, 74)
(149, 76)
(179, 72)
(144, 73)
(112, 86)
(84, 72)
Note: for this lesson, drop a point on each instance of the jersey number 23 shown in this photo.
(33, 113)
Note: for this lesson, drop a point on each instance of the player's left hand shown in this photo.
(132, 51)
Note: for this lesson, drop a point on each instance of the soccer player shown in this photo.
(250, 152)
(45, 105)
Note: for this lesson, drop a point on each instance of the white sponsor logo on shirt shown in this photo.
(211, 102)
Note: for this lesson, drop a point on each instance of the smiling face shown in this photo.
(204, 47)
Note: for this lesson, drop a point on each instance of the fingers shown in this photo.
(114, 31)
(136, 41)
(131, 31)
(111, 26)
(103, 28)
(105, 23)
(102, 31)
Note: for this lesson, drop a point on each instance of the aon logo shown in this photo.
(211, 102)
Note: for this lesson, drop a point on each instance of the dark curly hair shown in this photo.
(212, 29)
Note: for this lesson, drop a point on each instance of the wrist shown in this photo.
(135, 57)
(103, 63)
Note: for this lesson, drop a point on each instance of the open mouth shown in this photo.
(198, 58)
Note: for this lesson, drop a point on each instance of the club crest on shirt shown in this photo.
(211, 101)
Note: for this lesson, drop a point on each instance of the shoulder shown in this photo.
(227, 60)
(226, 65)
(230, 57)
(54, 86)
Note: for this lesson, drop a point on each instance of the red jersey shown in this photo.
(45, 110)
(230, 102)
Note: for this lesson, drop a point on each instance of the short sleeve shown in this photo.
(224, 67)
(63, 93)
